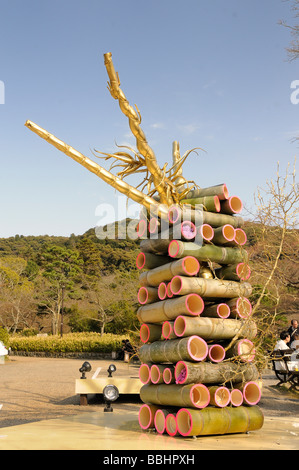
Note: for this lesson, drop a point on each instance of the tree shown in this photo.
(293, 49)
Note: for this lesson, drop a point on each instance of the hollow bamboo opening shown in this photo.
(194, 304)
(166, 329)
(243, 271)
(155, 374)
(222, 397)
(236, 397)
(167, 375)
(251, 393)
(180, 372)
(235, 204)
(217, 203)
(228, 231)
(169, 291)
(159, 421)
(223, 310)
(144, 373)
(176, 285)
(246, 350)
(216, 353)
(144, 333)
(162, 291)
(145, 416)
(190, 265)
(243, 307)
(184, 421)
(173, 214)
(188, 230)
(140, 260)
(141, 228)
(171, 425)
(142, 295)
(240, 236)
(153, 225)
(197, 348)
(200, 395)
(207, 232)
(173, 248)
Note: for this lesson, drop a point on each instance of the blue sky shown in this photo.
(209, 73)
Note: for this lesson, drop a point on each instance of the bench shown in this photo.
(284, 375)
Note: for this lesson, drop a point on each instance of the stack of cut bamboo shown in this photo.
(197, 360)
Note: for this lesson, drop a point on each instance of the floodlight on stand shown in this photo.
(110, 394)
(111, 369)
(86, 367)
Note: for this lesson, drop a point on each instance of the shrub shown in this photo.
(69, 343)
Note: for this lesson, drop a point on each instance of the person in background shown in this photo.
(292, 330)
(282, 345)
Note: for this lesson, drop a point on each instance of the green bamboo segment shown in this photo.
(156, 246)
(214, 328)
(217, 254)
(169, 309)
(192, 348)
(188, 266)
(147, 260)
(147, 295)
(242, 350)
(198, 216)
(219, 190)
(209, 203)
(234, 272)
(192, 395)
(187, 372)
(223, 234)
(210, 420)
(232, 205)
(150, 332)
(157, 371)
(210, 288)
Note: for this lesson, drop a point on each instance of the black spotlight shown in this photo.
(111, 369)
(110, 394)
(86, 367)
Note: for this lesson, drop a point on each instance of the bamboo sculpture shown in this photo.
(196, 330)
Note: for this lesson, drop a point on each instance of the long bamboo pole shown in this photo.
(218, 254)
(93, 167)
(169, 309)
(212, 420)
(193, 395)
(214, 328)
(187, 372)
(192, 348)
(188, 266)
(211, 288)
(219, 190)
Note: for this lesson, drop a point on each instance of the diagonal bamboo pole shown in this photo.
(93, 167)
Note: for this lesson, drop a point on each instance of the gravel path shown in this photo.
(34, 389)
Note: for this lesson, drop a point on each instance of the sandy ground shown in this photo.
(34, 389)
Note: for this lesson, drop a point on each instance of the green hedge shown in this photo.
(69, 343)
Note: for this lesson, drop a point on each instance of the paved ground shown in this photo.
(34, 389)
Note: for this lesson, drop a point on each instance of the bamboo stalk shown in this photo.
(234, 272)
(209, 288)
(240, 307)
(187, 372)
(219, 190)
(191, 395)
(232, 205)
(210, 203)
(144, 373)
(187, 266)
(150, 332)
(221, 310)
(198, 216)
(243, 350)
(251, 392)
(147, 295)
(169, 309)
(171, 425)
(147, 260)
(223, 234)
(216, 353)
(105, 175)
(220, 396)
(192, 348)
(217, 254)
(214, 328)
(146, 415)
(226, 420)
